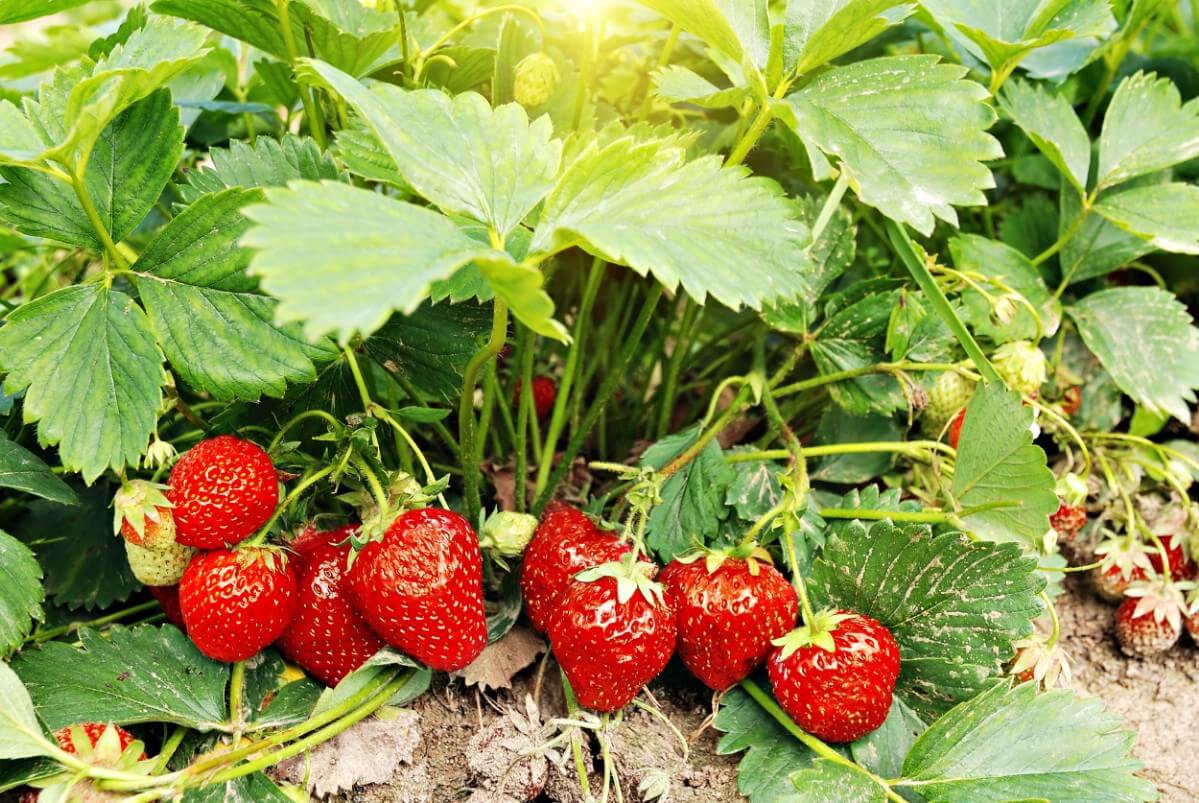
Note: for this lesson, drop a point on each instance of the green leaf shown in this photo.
(910, 131)
(851, 339)
(127, 675)
(1097, 247)
(764, 774)
(19, 139)
(868, 498)
(1165, 215)
(341, 259)
(381, 663)
(1145, 339)
(999, 464)
(1146, 129)
(716, 231)
(22, 10)
(882, 751)
(1009, 267)
(130, 164)
(92, 372)
(492, 165)
(828, 781)
(739, 29)
(266, 163)
(214, 326)
(675, 84)
(22, 470)
(1013, 743)
(954, 606)
(755, 487)
(692, 499)
(21, 593)
(431, 347)
(83, 564)
(20, 735)
(838, 426)
(818, 31)
(1051, 123)
(252, 788)
(1031, 227)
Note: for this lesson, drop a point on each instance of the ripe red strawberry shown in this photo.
(1072, 400)
(612, 633)
(955, 427)
(1068, 520)
(565, 543)
(1181, 567)
(101, 745)
(82, 738)
(327, 636)
(421, 588)
(545, 392)
(168, 599)
(223, 490)
(728, 608)
(835, 677)
(236, 602)
(1149, 620)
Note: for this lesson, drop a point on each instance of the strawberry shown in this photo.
(535, 79)
(168, 600)
(1149, 620)
(420, 587)
(949, 394)
(1068, 520)
(836, 676)
(1071, 400)
(728, 606)
(565, 543)
(84, 738)
(1037, 661)
(236, 602)
(1123, 564)
(327, 636)
(1181, 567)
(545, 392)
(158, 566)
(612, 633)
(223, 489)
(1022, 366)
(143, 514)
(109, 746)
(955, 427)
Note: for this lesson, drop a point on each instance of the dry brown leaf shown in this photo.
(501, 661)
(367, 753)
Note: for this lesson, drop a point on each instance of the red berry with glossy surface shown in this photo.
(545, 392)
(728, 615)
(843, 694)
(168, 600)
(610, 639)
(236, 602)
(327, 636)
(1181, 567)
(421, 588)
(565, 543)
(223, 490)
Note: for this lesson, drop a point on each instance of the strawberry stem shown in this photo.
(237, 685)
(466, 408)
(572, 711)
(304, 416)
(306, 483)
(54, 632)
(386, 417)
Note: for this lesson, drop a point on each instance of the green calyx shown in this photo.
(752, 553)
(816, 633)
(632, 576)
(136, 502)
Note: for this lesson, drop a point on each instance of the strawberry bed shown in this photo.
(657, 400)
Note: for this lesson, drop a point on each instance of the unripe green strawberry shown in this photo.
(536, 78)
(160, 565)
(949, 394)
(1021, 365)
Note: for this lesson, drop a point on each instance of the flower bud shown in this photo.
(536, 79)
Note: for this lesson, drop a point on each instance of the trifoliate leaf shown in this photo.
(851, 339)
(716, 231)
(740, 29)
(266, 163)
(492, 165)
(675, 84)
(828, 781)
(998, 464)
(431, 347)
(216, 329)
(21, 593)
(1051, 123)
(773, 754)
(20, 734)
(954, 606)
(1006, 267)
(910, 131)
(341, 259)
(1146, 129)
(817, 31)
(1098, 246)
(21, 470)
(88, 361)
(1165, 215)
(1145, 339)
(127, 675)
(692, 499)
(1015, 744)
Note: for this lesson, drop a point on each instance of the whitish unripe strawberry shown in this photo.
(1021, 365)
(536, 78)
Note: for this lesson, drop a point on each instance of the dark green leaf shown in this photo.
(868, 498)
(828, 781)
(21, 593)
(882, 751)
(431, 347)
(839, 426)
(253, 788)
(692, 499)
(22, 470)
(852, 339)
(755, 487)
(773, 754)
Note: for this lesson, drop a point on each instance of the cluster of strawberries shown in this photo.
(613, 627)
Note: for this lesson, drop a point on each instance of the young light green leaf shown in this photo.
(20, 734)
(341, 259)
(266, 163)
(1015, 744)
(954, 606)
(19, 140)
(998, 464)
(21, 470)
(739, 29)
(1145, 339)
(828, 781)
(128, 675)
(910, 131)
(21, 10)
(214, 326)
(773, 754)
(1146, 129)
(491, 165)
(818, 31)
(675, 84)
(1165, 215)
(1006, 267)
(92, 372)
(1051, 123)
(716, 231)
(21, 593)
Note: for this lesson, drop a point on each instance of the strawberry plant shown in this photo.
(850, 327)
